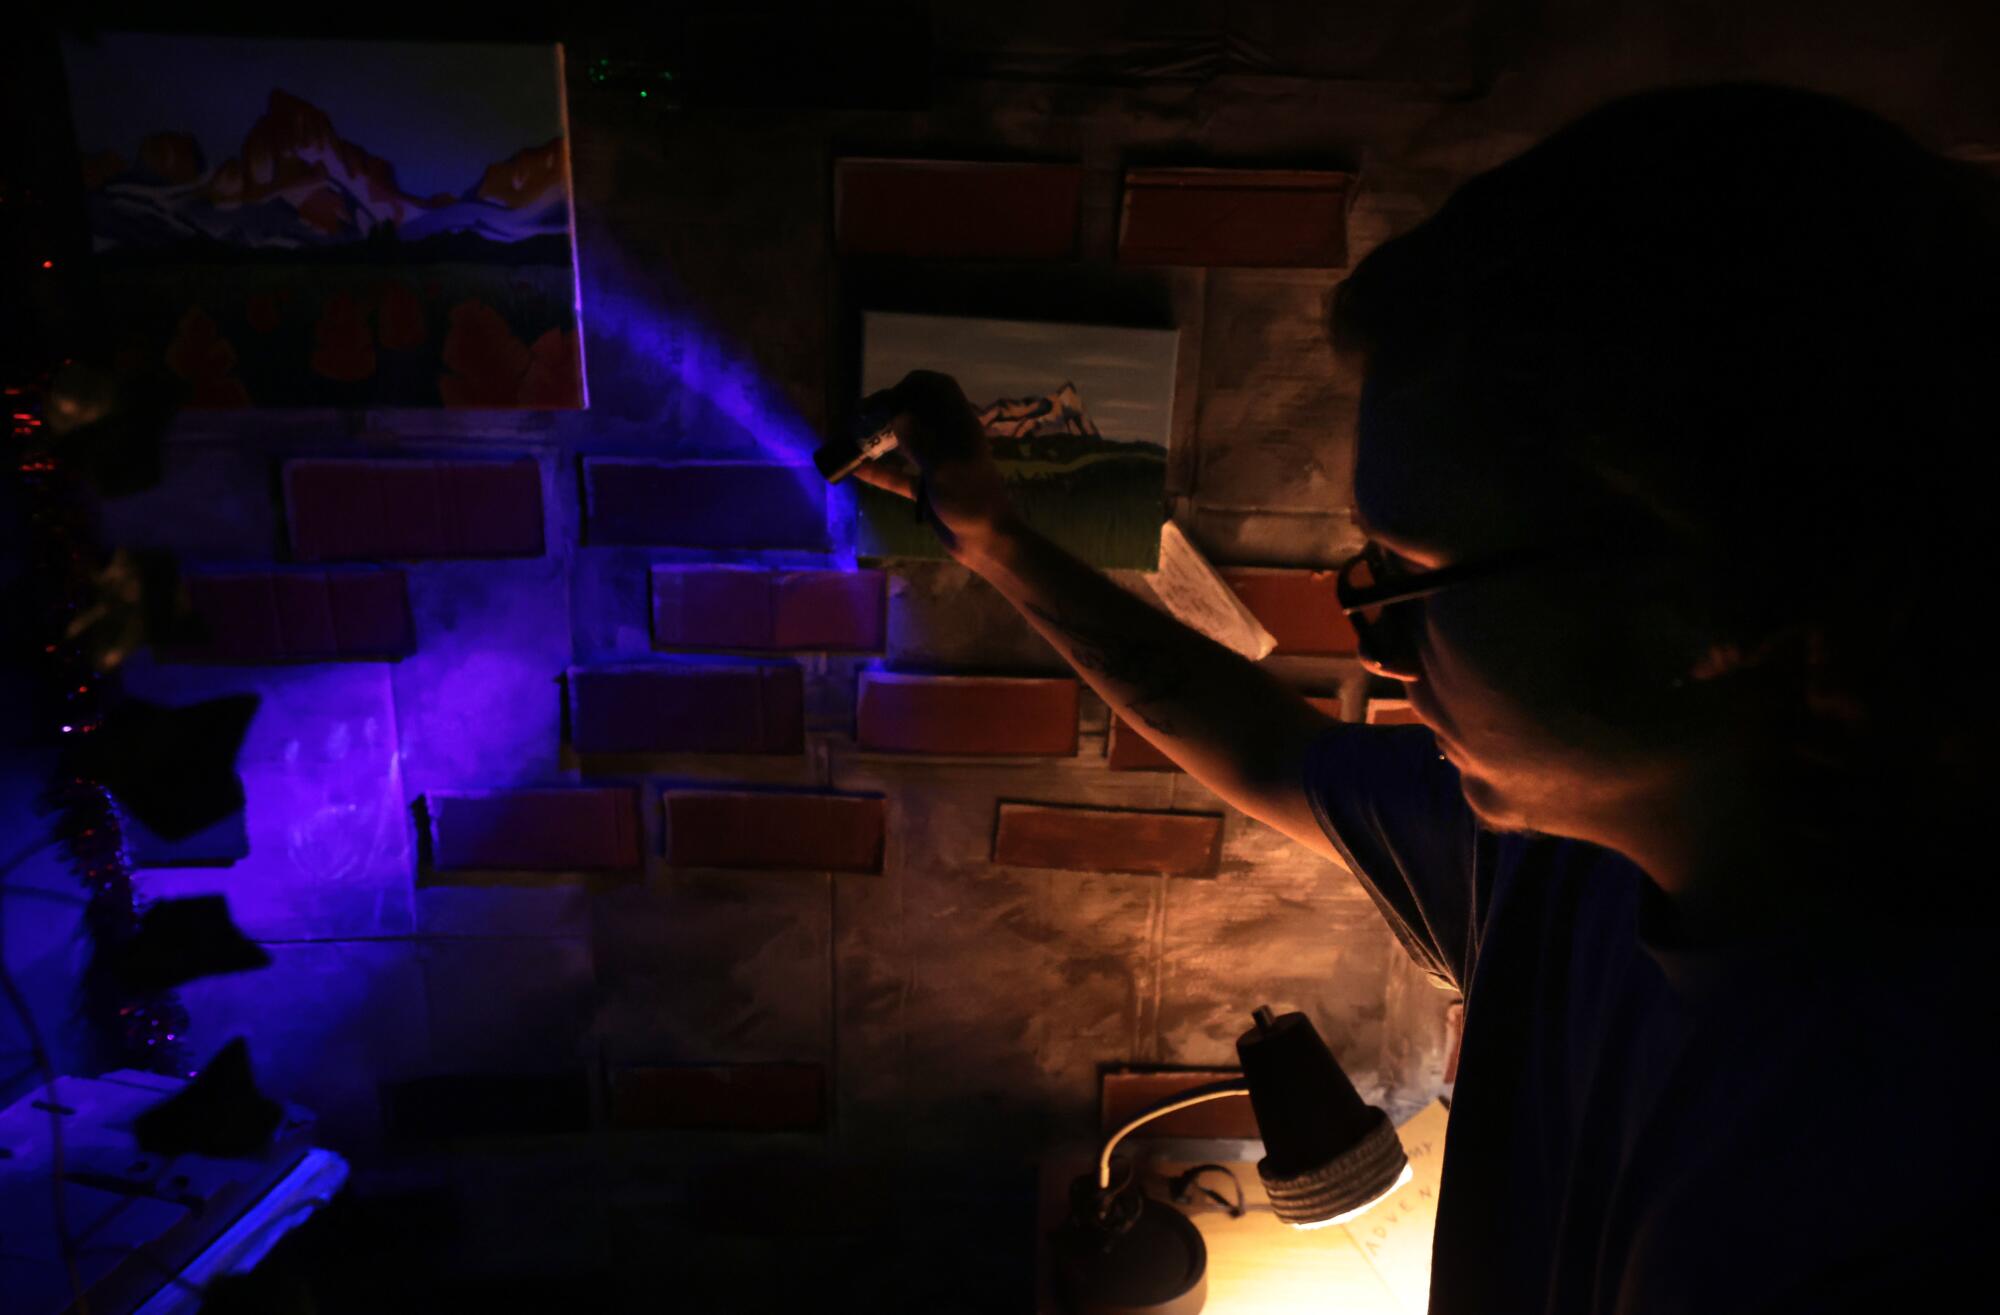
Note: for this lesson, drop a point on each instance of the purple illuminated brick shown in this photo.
(682, 708)
(565, 829)
(770, 611)
(349, 508)
(299, 616)
(704, 504)
(239, 614)
(371, 612)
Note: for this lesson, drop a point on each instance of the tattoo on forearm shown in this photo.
(1148, 678)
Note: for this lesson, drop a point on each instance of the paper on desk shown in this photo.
(1188, 589)
(1396, 1235)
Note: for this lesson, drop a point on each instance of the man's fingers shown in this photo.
(885, 476)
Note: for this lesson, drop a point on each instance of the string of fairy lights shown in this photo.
(136, 1030)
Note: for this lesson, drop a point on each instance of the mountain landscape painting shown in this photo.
(1078, 417)
(333, 223)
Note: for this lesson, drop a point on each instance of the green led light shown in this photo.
(642, 94)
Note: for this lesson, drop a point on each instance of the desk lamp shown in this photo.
(1328, 1157)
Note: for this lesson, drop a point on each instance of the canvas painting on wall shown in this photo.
(1078, 416)
(333, 223)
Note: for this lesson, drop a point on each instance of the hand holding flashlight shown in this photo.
(946, 464)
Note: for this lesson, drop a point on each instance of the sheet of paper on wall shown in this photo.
(1187, 588)
(1078, 416)
(332, 223)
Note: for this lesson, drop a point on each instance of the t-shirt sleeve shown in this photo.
(1394, 810)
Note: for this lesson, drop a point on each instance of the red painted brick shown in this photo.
(492, 508)
(371, 612)
(1108, 840)
(704, 504)
(1126, 750)
(956, 210)
(983, 716)
(239, 615)
(688, 708)
(1234, 217)
(1299, 608)
(746, 829)
(353, 508)
(1123, 1095)
(298, 616)
(1392, 712)
(726, 1097)
(562, 829)
(734, 607)
(305, 613)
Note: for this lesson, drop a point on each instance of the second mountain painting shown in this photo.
(329, 223)
(1078, 416)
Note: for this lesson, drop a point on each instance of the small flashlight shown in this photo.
(871, 437)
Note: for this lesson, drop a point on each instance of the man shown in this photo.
(1674, 446)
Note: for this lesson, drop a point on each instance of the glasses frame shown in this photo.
(1411, 586)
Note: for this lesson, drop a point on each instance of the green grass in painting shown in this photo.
(1106, 512)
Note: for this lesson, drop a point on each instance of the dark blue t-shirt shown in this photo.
(1639, 1127)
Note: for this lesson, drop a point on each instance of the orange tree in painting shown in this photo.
(200, 354)
(553, 372)
(484, 357)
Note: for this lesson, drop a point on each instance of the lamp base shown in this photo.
(1138, 1257)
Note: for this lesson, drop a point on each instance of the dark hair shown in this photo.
(1770, 321)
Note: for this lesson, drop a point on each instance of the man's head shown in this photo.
(1724, 352)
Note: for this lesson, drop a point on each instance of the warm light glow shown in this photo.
(1362, 1209)
(1378, 1264)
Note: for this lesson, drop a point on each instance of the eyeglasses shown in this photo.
(1369, 585)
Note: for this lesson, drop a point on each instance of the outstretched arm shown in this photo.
(1219, 716)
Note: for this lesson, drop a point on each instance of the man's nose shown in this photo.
(1374, 666)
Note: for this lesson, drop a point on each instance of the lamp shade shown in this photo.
(1328, 1154)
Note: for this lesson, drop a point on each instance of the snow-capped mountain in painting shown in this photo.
(296, 184)
(1053, 428)
(1019, 417)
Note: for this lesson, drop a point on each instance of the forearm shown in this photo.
(1222, 718)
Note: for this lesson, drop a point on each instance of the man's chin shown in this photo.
(1490, 805)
